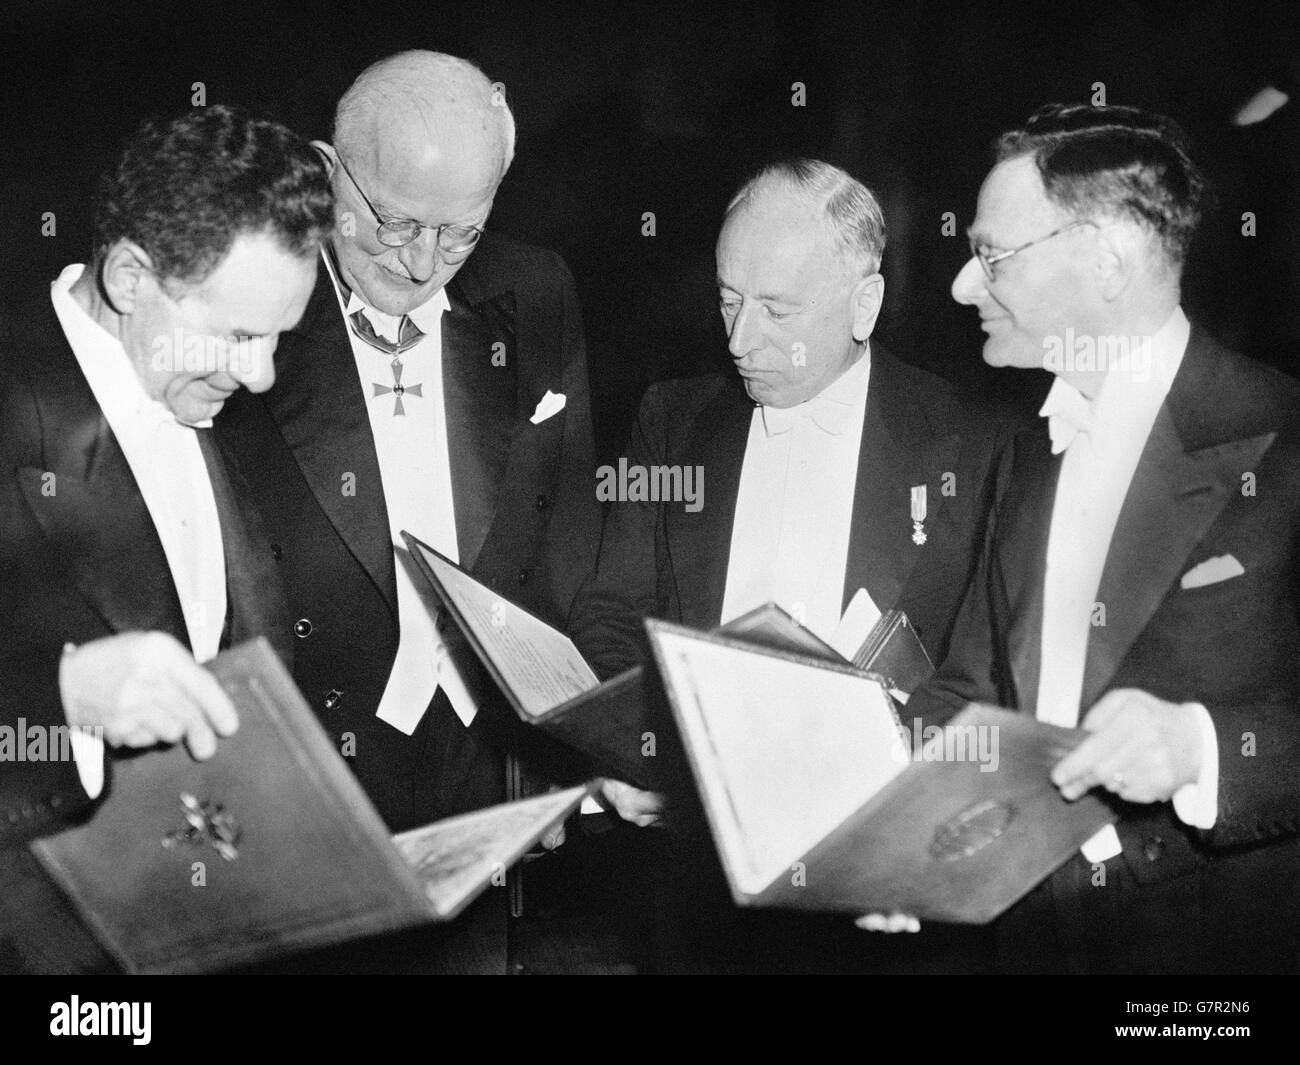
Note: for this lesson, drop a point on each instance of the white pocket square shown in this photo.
(550, 404)
(1211, 571)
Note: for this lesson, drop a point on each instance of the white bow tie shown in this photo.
(828, 415)
(1068, 414)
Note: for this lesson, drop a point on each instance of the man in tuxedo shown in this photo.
(1140, 577)
(437, 384)
(125, 543)
(830, 469)
(830, 465)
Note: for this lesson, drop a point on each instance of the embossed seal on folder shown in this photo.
(971, 830)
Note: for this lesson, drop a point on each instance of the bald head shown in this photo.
(423, 137)
(426, 104)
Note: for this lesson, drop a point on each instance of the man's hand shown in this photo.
(144, 688)
(1142, 749)
(554, 838)
(888, 922)
(642, 808)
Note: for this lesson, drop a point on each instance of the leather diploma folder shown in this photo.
(270, 846)
(894, 650)
(819, 798)
(550, 685)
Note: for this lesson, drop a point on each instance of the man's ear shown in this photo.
(327, 150)
(868, 294)
(1119, 247)
(125, 268)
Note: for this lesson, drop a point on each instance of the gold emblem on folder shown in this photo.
(206, 823)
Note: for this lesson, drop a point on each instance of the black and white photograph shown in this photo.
(650, 489)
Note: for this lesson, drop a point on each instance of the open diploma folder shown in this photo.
(817, 798)
(549, 684)
(293, 855)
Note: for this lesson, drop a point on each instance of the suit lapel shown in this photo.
(1024, 522)
(320, 407)
(254, 594)
(900, 448)
(699, 544)
(1189, 470)
(1174, 498)
(121, 570)
(480, 403)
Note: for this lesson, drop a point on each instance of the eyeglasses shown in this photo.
(988, 261)
(454, 240)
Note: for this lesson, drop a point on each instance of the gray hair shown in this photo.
(851, 209)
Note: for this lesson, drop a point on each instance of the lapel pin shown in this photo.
(918, 514)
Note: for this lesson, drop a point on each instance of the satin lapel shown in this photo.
(1023, 524)
(255, 595)
(1173, 499)
(897, 451)
(699, 544)
(320, 407)
(92, 513)
(479, 399)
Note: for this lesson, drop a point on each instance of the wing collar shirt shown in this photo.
(168, 466)
(415, 467)
(1102, 440)
(794, 505)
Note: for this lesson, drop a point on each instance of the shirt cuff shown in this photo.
(1197, 804)
(88, 752)
(87, 746)
(1103, 846)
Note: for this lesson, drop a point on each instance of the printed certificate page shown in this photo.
(538, 663)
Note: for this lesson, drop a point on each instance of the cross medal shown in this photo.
(918, 514)
(398, 389)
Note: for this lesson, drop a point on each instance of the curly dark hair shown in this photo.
(184, 189)
(1115, 160)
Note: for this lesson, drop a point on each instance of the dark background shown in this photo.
(666, 107)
